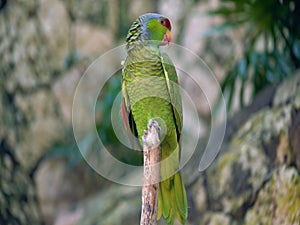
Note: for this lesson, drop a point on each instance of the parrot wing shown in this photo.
(174, 92)
(128, 119)
(172, 195)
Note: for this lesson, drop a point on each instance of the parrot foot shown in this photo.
(154, 129)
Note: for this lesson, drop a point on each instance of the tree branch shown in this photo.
(151, 173)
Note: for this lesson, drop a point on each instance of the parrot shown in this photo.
(150, 91)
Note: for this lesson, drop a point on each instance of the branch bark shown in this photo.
(151, 152)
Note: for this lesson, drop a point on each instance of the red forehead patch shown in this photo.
(166, 22)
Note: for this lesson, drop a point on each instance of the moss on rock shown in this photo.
(278, 202)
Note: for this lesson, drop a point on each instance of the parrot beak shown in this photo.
(167, 38)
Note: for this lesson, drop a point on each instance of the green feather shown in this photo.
(170, 219)
(166, 198)
(181, 200)
(159, 204)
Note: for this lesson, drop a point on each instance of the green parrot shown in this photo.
(150, 91)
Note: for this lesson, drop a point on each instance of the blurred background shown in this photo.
(252, 47)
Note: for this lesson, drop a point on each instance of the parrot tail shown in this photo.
(172, 200)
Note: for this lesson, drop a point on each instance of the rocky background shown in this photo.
(45, 47)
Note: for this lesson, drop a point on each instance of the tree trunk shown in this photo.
(151, 151)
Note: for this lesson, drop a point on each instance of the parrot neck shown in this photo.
(141, 45)
(142, 52)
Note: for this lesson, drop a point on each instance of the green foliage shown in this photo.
(71, 59)
(104, 126)
(68, 148)
(271, 49)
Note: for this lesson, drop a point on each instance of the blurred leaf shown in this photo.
(273, 24)
(221, 28)
(296, 49)
(106, 132)
(71, 59)
(242, 68)
(67, 149)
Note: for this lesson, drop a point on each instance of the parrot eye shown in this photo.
(166, 22)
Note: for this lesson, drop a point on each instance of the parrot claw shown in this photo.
(145, 135)
(154, 124)
(154, 132)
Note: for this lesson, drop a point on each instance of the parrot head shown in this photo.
(150, 27)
